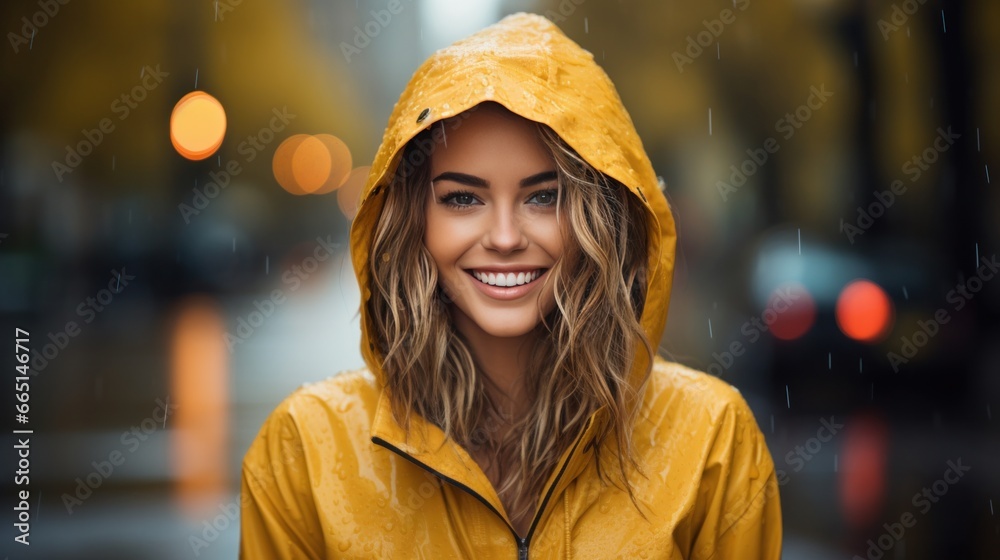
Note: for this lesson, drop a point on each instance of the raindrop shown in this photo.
(991, 506)
(944, 24)
(718, 52)
(234, 244)
(829, 361)
(906, 295)
(977, 140)
(709, 121)
(861, 367)
(788, 397)
(855, 59)
(586, 26)
(267, 264)
(32, 43)
(195, 78)
(112, 163)
(710, 329)
(977, 254)
(987, 173)
(800, 241)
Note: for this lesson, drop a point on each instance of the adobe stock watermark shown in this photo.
(122, 106)
(704, 39)
(249, 148)
(781, 301)
(566, 8)
(223, 7)
(87, 310)
(913, 168)
(899, 17)
(959, 297)
(365, 34)
(48, 10)
(922, 501)
(787, 126)
(130, 440)
(293, 278)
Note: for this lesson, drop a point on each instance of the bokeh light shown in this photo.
(197, 125)
(281, 164)
(796, 311)
(311, 164)
(199, 381)
(340, 163)
(862, 469)
(864, 311)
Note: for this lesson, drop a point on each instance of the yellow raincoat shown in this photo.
(332, 475)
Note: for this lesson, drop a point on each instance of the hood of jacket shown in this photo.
(528, 65)
(525, 63)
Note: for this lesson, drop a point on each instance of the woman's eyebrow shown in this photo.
(473, 181)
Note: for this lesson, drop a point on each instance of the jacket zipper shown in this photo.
(522, 543)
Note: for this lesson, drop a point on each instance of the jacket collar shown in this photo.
(427, 446)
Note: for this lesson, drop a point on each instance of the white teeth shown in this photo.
(505, 280)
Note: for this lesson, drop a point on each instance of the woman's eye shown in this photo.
(546, 197)
(460, 198)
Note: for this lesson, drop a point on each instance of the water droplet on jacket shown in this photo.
(388, 526)
(343, 546)
(484, 81)
(489, 91)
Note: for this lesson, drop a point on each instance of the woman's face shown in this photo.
(491, 222)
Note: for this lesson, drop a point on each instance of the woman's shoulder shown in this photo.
(688, 388)
(346, 395)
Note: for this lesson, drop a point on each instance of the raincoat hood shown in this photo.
(528, 65)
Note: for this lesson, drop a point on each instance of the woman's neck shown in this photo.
(504, 361)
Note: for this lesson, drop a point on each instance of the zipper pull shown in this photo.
(522, 548)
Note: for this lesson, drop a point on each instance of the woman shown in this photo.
(514, 254)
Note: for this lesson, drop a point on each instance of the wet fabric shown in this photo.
(332, 475)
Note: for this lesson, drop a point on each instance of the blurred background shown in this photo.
(176, 188)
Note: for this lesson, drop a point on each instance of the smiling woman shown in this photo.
(515, 255)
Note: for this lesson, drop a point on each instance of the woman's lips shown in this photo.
(507, 292)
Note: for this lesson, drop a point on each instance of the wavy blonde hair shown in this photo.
(600, 291)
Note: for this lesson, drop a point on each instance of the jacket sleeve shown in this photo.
(278, 518)
(738, 499)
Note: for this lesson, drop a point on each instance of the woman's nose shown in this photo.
(505, 233)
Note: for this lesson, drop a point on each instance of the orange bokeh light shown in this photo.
(199, 383)
(197, 125)
(864, 311)
(311, 164)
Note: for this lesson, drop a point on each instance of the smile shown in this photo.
(509, 279)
